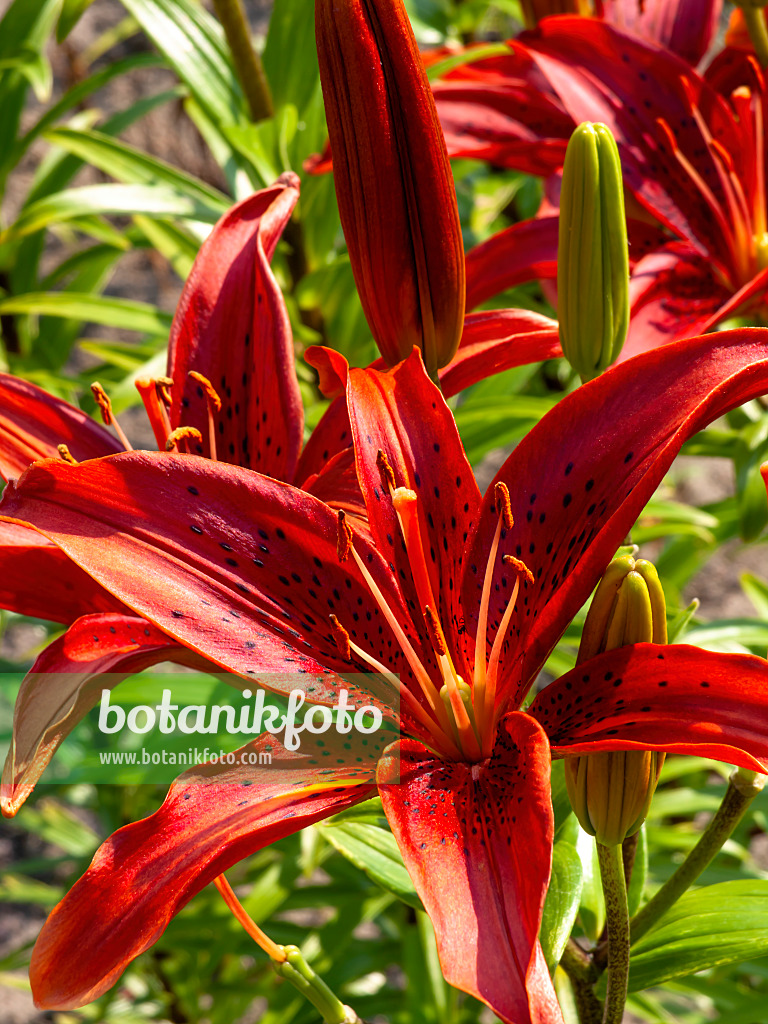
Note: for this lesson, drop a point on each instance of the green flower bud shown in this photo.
(592, 255)
(611, 791)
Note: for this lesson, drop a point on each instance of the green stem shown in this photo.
(247, 62)
(297, 971)
(743, 787)
(582, 975)
(758, 33)
(617, 918)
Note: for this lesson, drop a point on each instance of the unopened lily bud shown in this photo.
(393, 179)
(592, 255)
(611, 791)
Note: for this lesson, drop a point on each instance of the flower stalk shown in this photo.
(248, 66)
(617, 918)
(289, 963)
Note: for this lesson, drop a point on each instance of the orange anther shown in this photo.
(436, 634)
(344, 538)
(103, 402)
(341, 638)
(182, 434)
(503, 505)
(66, 454)
(210, 392)
(520, 566)
(387, 473)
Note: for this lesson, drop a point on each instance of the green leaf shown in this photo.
(562, 903)
(147, 200)
(193, 43)
(729, 635)
(72, 11)
(756, 590)
(592, 909)
(132, 166)
(132, 316)
(719, 924)
(290, 54)
(374, 850)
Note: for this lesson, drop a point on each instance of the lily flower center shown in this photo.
(456, 717)
(740, 209)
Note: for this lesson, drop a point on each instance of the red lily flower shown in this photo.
(251, 571)
(691, 147)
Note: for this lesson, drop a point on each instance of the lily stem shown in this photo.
(743, 787)
(617, 917)
(582, 975)
(247, 62)
(754, 18)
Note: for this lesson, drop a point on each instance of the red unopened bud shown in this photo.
(393, 179)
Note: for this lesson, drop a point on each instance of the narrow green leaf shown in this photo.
(374, 850)
(719, 924)
(193, 43)
(147, 200)
(756, 590)
(132, 316)
(562, 903)
(132, 166)
(72, 11)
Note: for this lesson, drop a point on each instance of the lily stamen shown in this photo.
(501, 636)
(732, 189)
(182, 434)
(214, 405)
(156, 411)
(273, 951)
(671, 143)
(505, 521)
(345, 547)
(387, 473)
(66, 455)
(347, 647)
(406, 504)
(107, 416)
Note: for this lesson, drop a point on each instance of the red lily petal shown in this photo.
(673, 294)
(580, 478)
(687, 27)
(33, 423)
(331, 435)
(404, 415)
(680, 699)
(66, 681)
(488, 111)
(477, 842)
(752, 293)
(394, 184)
(332, 369)
(68, 592)
(232, 327)
(523, 252)
(496, 341)
(146, 872)
(241, 568)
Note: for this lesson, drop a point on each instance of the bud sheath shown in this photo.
(592, 256)
(611, 791)
(393, 179)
